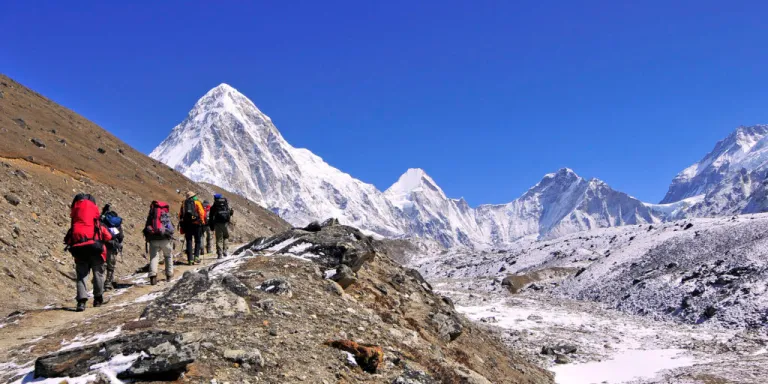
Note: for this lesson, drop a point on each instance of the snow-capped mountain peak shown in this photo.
(227, 141)
(414, 180)
(746, 147)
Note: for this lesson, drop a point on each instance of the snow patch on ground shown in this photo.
(625, 366)
(80, 341)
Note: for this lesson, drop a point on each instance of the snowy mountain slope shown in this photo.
(227, 141)
(431, 214)
(696, 270)
(560, 203)
(747, 148)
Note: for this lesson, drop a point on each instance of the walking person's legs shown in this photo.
(82, 269)
(167, 249)
(154, 259)
(111, 264)
(189, 236)
(198, 240)
(222, 234)
(97, 267)
(208, 238)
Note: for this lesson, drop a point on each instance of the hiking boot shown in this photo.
(80, 306)
(168, 278)
(153, 280)
(219, 256)
(98, 301)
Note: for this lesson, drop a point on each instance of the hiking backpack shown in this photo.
(190, 212)
(222, 214)
(159, 225)
(85, 228)
(112, 220)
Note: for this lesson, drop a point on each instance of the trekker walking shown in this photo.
(114, 223)
(85, 241)
(206, 228)
(191, 221)
(158, 232)
(220, 216)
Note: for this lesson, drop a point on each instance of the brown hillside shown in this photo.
(48, 153)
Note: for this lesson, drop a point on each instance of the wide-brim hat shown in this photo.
(191, 194)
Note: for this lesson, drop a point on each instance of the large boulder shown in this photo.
(448, 325)
(159, 355)
(331, 245)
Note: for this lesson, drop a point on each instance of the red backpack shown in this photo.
(85, 229)
(158, 225)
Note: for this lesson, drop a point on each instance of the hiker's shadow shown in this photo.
(62, 308)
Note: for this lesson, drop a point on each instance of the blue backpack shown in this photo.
(112, 220)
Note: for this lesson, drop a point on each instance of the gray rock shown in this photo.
(330, 222)
(562, 359)
(165, 357)
(12, 199)
(234, 285)
(277, 286)
(560, 349)
(334, 287)
(39, 143)
(334, 245)
(252, 357)
(313, 227)
(197, 295)
(448, 325)
(344, 276)
(266, 305)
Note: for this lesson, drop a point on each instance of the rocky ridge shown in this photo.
(275, 313)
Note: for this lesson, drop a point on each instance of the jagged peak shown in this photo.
(413, 180)
(562, 173)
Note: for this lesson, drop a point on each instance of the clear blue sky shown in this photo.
(486, 96)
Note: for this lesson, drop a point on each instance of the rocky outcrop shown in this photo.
(331, 245)
(197, 294)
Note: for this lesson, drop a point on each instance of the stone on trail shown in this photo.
(277, 286)
(344, 276)
(12, 199)
(560, 349)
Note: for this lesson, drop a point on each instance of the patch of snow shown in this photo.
(624, 367)
(80, 341)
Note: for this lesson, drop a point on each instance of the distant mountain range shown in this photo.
(227, 141)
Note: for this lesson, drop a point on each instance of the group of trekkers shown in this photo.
(95, 238)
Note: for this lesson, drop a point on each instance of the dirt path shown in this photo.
(24, 328)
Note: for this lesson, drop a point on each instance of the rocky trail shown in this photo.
(25, 333)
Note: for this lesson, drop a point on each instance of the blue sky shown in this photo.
(486, 96)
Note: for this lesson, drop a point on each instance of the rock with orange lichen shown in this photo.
(369, 357)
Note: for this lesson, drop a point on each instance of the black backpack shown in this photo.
(222, 214)
(82, 196)
(190, 212)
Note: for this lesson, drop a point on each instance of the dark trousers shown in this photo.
(87, 260)
(208, 238)
(193, 233)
